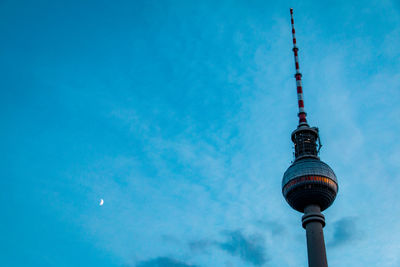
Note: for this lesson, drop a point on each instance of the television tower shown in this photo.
(309, 185)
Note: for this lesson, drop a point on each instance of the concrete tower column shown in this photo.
(313, 221)
(309, 185)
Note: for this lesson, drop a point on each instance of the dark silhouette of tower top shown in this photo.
(309, 185)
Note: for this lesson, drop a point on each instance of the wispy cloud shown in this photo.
(274, 227)
(345, 231)
(201, 245)
(163, 262)
(250, 249)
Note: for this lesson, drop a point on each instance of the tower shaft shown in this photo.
(313, 222)
(309, 185)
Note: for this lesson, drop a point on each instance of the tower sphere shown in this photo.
(309, 181)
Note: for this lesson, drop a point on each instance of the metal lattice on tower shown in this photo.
(309, 185)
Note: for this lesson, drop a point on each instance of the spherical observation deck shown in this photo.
(309, 181)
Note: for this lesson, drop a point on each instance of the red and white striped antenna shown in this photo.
(302, 114)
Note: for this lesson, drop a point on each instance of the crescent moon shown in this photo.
(101, 202)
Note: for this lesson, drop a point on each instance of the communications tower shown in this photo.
(309, 185)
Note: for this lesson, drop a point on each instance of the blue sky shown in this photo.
(178, 114)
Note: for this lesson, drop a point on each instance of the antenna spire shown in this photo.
(302, 114)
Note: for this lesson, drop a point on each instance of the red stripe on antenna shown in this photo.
(299, 90)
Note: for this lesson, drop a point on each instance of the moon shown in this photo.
(101, 202)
